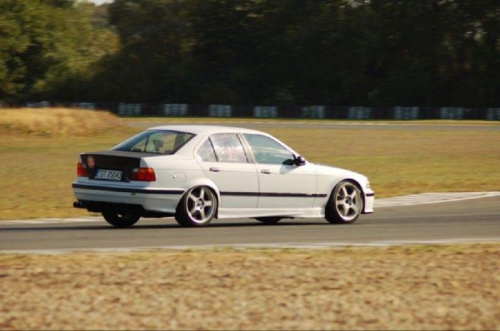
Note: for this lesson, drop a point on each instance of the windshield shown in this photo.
(155, 141)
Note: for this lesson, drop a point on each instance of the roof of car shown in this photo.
(204, 129)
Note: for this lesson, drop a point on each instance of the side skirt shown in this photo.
(316, 212)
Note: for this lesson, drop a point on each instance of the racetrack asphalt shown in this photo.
(466, 220)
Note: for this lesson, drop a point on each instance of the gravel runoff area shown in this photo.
(400, 287)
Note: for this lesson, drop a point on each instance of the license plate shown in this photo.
(108, 174)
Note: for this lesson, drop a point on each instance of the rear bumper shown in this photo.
(98, 206)
(97, 198)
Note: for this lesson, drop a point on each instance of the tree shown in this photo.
(47, 49)
(13, 44)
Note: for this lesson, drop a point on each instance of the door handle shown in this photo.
(266, 171)
(214, 169)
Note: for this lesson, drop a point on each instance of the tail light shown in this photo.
(81, 171)
(143, 175)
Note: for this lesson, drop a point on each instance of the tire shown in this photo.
(120, 220)
(197, 207)
(345, 203)
(268, 220)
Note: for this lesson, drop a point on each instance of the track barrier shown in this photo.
(314, 112)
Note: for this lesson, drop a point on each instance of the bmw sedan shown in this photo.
(198, 173)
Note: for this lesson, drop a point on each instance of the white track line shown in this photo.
(429, 198)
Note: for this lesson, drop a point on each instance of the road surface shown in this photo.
(470, 220)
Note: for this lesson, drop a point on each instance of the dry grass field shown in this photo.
(40, 148)
(55, 121)
(396, 288)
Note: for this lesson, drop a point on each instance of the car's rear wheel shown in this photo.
(268, 220)
(345, 204)
(120, 220)
(197, 207)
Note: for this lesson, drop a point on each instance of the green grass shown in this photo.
(37, 171)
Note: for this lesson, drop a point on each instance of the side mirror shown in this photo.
(300, 161)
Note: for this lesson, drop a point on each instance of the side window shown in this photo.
(268, 151)
(228, 148)
(206, 152)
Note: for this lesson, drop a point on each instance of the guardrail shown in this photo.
(314, 111)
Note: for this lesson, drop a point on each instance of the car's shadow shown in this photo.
(173, 226)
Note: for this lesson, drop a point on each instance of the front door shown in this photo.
(283, 184)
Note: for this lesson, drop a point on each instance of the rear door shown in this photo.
(225, 161)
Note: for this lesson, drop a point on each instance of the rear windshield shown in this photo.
(155, 141)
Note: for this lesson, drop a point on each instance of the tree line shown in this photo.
(267, 52)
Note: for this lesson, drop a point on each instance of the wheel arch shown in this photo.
(353, 181)
(207, 183)
(363, 194)
(333, 214)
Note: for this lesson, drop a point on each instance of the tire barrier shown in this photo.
(268, 112)
(129, 109)
(406, 113)
(493, 114)
(313, 112)
(84, 105)
(449, 113)
(360, 113)
(40, 104)
(175, 109)
(220, 111)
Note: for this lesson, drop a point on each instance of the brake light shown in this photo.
(143, 175)
(81, 171)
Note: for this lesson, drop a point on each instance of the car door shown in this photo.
(225, 161)
(282, 183)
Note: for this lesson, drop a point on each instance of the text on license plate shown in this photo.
(108, 174)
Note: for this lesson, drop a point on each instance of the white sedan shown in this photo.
(197, 173)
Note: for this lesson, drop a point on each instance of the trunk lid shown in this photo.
(112, 165)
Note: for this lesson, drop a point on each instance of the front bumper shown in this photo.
(369, 202)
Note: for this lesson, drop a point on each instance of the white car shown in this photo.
(199, 172)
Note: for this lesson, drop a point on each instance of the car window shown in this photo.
(206, 152)
(152, 141)
(268, 151)
(228, 148)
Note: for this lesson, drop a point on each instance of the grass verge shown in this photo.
(402, 288)
(39, 168)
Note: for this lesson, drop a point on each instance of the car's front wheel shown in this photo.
(120, 220)
(345, 204)
(197, 207)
